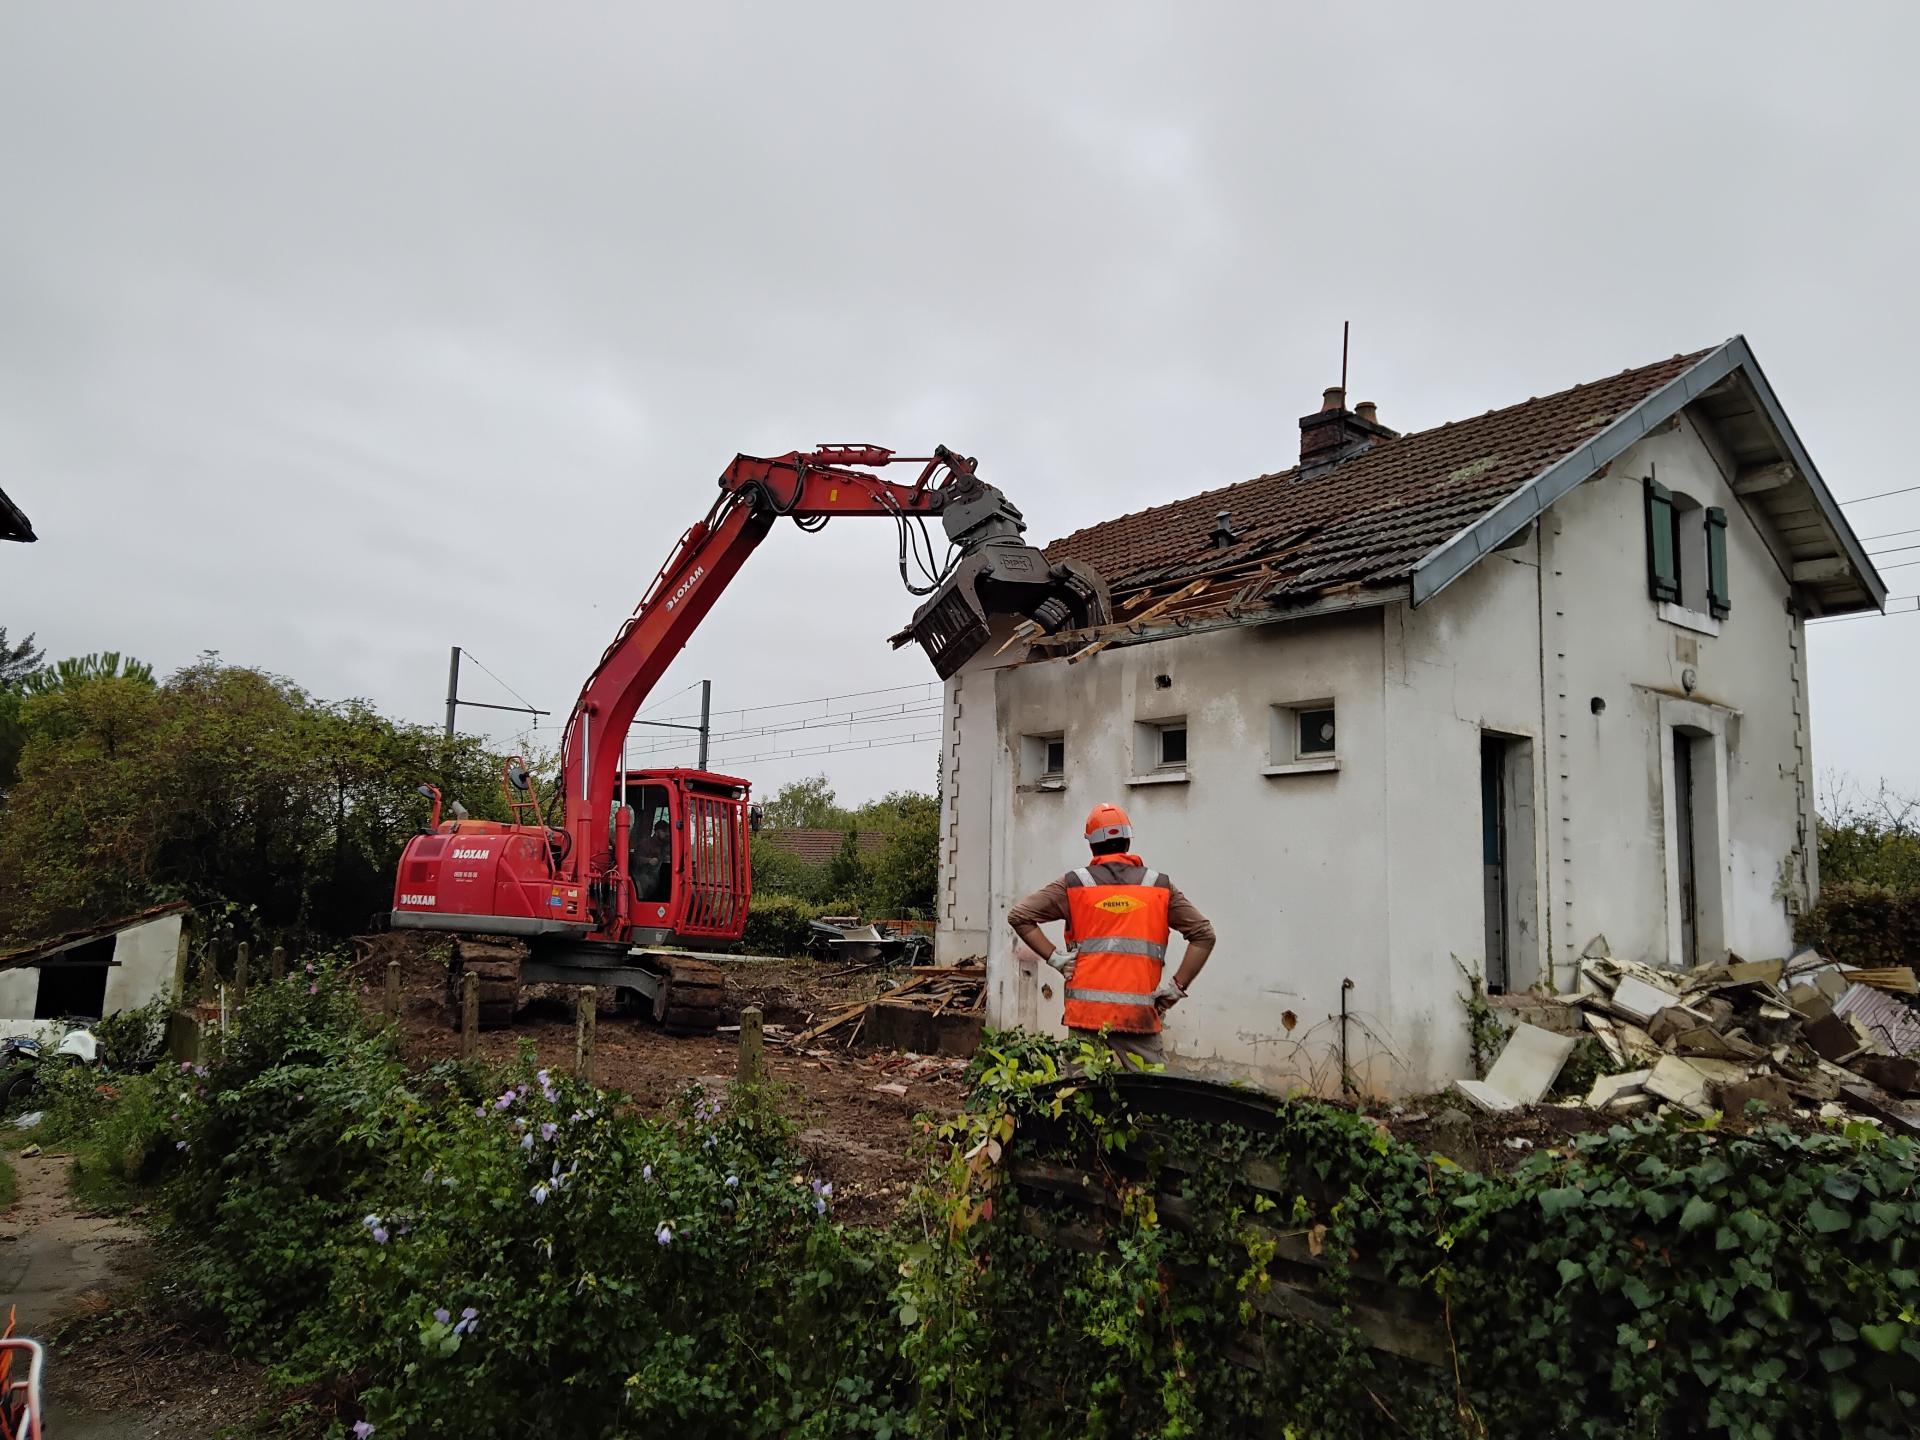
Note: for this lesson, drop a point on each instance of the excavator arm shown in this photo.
(990, 571)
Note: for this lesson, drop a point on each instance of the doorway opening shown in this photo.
(1507, 885)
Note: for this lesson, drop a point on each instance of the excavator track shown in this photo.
(496, 965)
(691, 994)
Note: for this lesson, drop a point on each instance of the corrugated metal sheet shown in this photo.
(41, 949)
(1894, 1024)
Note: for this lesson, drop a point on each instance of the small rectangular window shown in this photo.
(1173, 747)
(1043, 761)
(1316, 732)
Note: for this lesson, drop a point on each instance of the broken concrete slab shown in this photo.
(1529, 1063)
(1770, 1090)
(1832, 1037)
(1677, 1081)
(1705, 1040)
(1898, 1073)
(1603, 1031)
(1609, 1088)
(1641, 1001)
(1483, 1094)
(1764, 972)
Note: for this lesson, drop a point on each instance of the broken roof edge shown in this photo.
(1449, 561)
(34, 951)
(1123, 634)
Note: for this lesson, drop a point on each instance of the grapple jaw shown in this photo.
(1003, 577)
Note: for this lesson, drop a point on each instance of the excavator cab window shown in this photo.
(650, 851)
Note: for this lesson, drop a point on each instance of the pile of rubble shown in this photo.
(1799, 1034)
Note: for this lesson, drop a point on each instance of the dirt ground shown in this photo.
(864, 1139)
(64, 1270)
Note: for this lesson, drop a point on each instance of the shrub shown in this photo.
(1868, 926)
(134, 1039)
(777, 925)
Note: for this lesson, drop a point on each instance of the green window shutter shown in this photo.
(1718, 600)
(1663, 565)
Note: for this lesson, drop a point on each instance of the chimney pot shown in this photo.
(1368, 412)
(1334, 397)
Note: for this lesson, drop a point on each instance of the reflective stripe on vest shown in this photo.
(1121, 945)
(1106, 997)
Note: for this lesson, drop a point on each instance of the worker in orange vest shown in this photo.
(1119, 916)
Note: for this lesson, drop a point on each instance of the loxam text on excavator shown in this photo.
(636, 868)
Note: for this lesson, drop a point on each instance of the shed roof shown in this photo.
(14, 524)
(1410, 513)
(40, 950)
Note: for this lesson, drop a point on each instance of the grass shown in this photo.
(6, 1183)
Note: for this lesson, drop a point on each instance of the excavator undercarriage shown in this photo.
(681, 993)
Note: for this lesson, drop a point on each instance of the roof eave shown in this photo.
(1448, 562)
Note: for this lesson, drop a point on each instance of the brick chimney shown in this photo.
(1334, 433)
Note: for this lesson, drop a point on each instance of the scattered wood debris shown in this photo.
(1787, 1033)
(935, 990)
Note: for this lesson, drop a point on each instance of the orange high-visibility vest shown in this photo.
(1119, 935)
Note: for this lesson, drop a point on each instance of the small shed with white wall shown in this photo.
(1457, 699)
(91, 973)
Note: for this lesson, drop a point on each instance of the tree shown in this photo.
(222, 784)
(807, 804)
(78, 669)
(905, 876)
(846, 874)
(18, 660)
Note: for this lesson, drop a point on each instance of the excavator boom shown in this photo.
(578, 882)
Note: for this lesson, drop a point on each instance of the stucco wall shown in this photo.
(1610, 642)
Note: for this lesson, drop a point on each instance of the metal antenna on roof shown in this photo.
(1345, 325)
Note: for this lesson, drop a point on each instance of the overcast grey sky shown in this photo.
(336, 334)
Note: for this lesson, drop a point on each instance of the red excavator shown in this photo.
(634, 863)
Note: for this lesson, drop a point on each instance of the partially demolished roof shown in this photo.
(14, 524)
(41, 951)
(1408, 514)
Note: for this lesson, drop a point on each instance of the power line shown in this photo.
(816, 722)
(1891, 550)
(832, 749)
(1883, 495)
(497, 680)
(1890, 535)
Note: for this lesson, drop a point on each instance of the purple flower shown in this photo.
(646, 1172)
(315, 990)
(526, 1142)
(820, 1205)
(469, 1314)
(176, 1117)
(179, 1144)
(469, 1320)
(361, 1429)
(505, 1100)
(733, 1182)
(185, 1066)
(479, 1112)
(443, 1316)
(664, 1234)
(548, 1130)
(379, 1235)
(540, 1192)
(541, 1076)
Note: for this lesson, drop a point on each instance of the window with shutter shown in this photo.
(1663, 559)
(1718, 599)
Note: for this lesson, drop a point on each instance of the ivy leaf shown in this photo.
(909, 1314)
(1842, 1186)
(1846, 1396)
(1635, 1290)
(1828, 1218)
(1699, 1211)
(1570, 1271)
(1836, 1357)
(1552, 1202)
(1884, 1337)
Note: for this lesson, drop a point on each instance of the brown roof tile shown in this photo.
(817, 847)
(1370, 519)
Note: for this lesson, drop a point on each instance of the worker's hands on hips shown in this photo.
(1168, 995)
(1064, 961)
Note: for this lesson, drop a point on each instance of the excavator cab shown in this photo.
(687, 855)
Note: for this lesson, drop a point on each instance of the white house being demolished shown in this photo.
(1477, 693)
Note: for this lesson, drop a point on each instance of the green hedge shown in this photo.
(1868, 926)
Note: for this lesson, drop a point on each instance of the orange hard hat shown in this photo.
(1108, 822)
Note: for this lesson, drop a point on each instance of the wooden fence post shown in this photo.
(277, 965)
(585, 1007)
(241, 961)
(469, 1015)
(753, 1046)
(209, 976)
(393, 990)
(182, 953)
